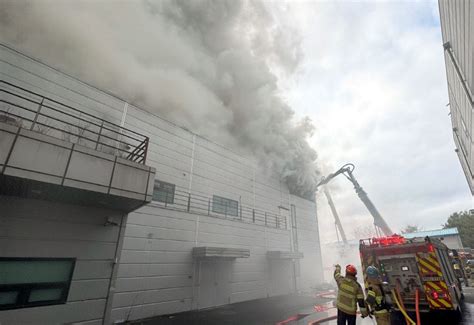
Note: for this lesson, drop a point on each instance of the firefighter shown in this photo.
(376, 297)
(350, 294)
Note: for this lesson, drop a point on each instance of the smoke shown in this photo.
(208, 65)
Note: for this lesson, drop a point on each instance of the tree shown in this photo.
(411, 228)
(464, 221)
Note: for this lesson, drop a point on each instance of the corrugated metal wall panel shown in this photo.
(458, 29)
(156, 271)
(34, 228)
(140, 266)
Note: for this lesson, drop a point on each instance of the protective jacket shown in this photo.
(349, 294)
(377, 304)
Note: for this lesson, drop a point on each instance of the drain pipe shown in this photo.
(114, 271)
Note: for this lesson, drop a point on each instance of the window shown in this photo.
(225, 206)
(163, 192)
(28, 282)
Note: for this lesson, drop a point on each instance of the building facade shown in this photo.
(449, 236)
(457, 28)
(219, 228)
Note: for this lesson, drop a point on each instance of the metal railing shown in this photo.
(30, 110)
(200, 204)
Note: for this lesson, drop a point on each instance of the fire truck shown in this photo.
(417, 274)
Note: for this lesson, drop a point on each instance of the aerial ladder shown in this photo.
(347, 170)
(336, 217)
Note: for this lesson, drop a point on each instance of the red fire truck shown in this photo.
(417, 274)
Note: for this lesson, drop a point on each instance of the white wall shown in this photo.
(458, 29)
(452, 241)
(157, 274)
(308, 242)
(33, 228)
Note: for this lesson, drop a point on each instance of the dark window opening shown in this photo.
(163, 192)
(225, 206)
(29, 282)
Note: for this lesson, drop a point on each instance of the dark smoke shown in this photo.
(210, 66)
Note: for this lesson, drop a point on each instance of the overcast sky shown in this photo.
(373, 81)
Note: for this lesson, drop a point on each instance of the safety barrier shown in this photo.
(204, 205)
(30, 110)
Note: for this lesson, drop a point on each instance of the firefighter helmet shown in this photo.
(351, 269)
(372, 272)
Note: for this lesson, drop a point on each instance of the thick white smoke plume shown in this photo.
(207, 65)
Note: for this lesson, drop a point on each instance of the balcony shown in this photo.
(53, 151)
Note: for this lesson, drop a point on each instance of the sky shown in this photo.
(373, 81)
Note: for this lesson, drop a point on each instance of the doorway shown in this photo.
(214, 283)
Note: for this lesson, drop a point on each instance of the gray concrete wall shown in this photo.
(33, 228)
(157, 274)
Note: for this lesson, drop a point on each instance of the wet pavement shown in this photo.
(433, 319)
(468, 310)
(292, 310)
(268, 311)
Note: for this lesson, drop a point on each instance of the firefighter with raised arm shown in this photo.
(376, 297)
(350, 294)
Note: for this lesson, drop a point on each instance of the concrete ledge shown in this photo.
(30, 160)
(220, 252)
(284, 255)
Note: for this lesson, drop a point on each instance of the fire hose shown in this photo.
(400, 300)
(402, 309)
(417, 306)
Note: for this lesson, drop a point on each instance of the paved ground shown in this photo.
(467, 317)
(258, 312)
(468, 312)
(273, 310)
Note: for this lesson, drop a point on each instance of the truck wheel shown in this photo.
(457, 314)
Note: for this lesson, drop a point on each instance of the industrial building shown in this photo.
(449, 236)
(122, 215)
(458, 40)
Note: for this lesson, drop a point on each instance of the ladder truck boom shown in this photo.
(336, 215)
(347, 171)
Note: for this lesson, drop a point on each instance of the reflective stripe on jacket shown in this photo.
(375, 299)
(350, 294)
